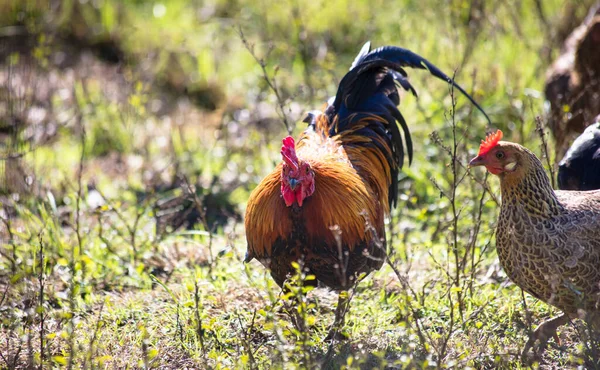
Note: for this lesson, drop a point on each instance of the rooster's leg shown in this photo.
(544, 331)
(340, 316)
(291, 309)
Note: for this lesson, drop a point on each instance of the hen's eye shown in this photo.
(500, 155)
(307, 170)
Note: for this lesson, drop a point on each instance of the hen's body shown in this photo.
(549, 242)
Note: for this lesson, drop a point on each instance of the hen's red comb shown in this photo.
(490, 141)
(288, 152)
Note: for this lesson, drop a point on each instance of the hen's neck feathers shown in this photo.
(529, 188)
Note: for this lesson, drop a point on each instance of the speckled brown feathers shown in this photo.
(549, 242)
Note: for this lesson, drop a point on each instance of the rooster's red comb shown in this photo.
(490, 141)
(288, 152)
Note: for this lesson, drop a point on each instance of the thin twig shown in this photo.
(271, 81)
(91, 350)
(40, 310)
(539, 127)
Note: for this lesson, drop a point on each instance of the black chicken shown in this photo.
(580, 168)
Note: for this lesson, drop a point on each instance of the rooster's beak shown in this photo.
(293, 184)
(477, 161)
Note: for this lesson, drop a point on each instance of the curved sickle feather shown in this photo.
(403, 81)
(370, 91)
(395, 58)
(400, 118)
(364, 51)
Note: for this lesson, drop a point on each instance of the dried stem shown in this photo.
(539, 127)
(271, 81)
(40, 309)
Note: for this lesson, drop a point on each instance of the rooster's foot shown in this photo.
(335, 330)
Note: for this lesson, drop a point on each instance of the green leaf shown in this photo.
(16, 277)
(152, 353)
(60, 360)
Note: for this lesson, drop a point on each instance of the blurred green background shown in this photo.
(131, 135)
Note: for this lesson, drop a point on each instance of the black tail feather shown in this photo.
(370, 89)
(364, 51)
(395, 58)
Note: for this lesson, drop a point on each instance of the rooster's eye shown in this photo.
(500, 155)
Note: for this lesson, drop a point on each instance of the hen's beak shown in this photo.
(293, 184)
(477, 161)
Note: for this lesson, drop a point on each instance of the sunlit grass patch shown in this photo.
(126, 249)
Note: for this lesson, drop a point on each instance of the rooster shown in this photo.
(324, 205)
(548, 241)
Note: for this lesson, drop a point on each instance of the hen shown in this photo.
(324, 205)
(548, 241)
(580, 168)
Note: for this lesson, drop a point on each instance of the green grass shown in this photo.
(92, 262)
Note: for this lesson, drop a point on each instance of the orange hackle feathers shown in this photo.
(490, 141)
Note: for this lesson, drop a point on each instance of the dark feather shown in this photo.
(370, 89)
(580, 168)
(403, 81)
(366, 49)
(395, 58)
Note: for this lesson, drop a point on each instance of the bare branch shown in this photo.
(270, 80)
